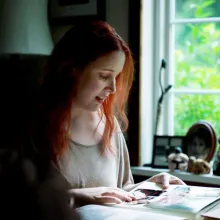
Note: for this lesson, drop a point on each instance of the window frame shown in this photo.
(161, 47)
(171, 21)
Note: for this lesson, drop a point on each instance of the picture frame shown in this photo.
(67, 12)
(163, 145)
(200, 141)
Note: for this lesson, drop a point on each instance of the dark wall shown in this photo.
(21, 78)
(19, 82)
(133, 103)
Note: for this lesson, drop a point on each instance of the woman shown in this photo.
(84, 91)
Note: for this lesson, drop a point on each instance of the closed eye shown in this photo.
(103, 77)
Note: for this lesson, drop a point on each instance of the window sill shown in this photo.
(185, 176)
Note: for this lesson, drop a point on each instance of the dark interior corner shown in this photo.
(133, 103)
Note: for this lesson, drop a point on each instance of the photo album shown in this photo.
(190, 202)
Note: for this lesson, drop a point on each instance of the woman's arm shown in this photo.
(125, 175)
(162, 178)
(100, 195)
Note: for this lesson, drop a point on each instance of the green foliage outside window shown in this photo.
(197, 65)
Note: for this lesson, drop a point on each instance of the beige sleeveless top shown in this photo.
(85, 166)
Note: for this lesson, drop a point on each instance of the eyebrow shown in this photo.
(110, 70)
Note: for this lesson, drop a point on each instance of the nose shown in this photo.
(112, 86)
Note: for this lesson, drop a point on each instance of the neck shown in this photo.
(80, 115)
(84, 120)
(86, 127)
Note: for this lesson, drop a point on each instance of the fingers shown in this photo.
(168, 179)
(115, 196)
(122, 196)
(165, 179)
(121, 193)
(107, 199)
(162, 178)
(132, 196)
(177, 181)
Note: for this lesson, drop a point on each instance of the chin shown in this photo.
(93, 108)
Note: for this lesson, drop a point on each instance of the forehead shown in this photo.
(113, 61)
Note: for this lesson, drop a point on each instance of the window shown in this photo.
(194, 64)
(186, 33)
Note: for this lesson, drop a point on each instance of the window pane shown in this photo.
(189, 109)
(197, 8)
(197, 56)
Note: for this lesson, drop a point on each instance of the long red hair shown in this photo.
(81, 45)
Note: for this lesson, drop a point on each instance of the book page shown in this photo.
(98, 212)
(149, 191)
(214, 213)
(186, 198)
(177, 198)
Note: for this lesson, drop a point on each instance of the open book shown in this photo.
(178, 200)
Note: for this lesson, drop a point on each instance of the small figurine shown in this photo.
(178, 160)
(198, 166)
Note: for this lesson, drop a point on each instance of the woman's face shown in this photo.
(98, 81)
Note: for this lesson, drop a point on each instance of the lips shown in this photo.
(100, 99)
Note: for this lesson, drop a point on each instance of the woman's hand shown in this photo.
(166, 179)
(114, 196)
(100, 195)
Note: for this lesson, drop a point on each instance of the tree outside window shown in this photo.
(196, 66)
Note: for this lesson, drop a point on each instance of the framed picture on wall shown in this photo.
(163, 146)
(66, 12)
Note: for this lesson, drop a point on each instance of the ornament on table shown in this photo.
(198, 166)
(178, 160)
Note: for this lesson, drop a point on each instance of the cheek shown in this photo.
(88, 92)
(95, 86)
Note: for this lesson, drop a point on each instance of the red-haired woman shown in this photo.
(84, 91)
